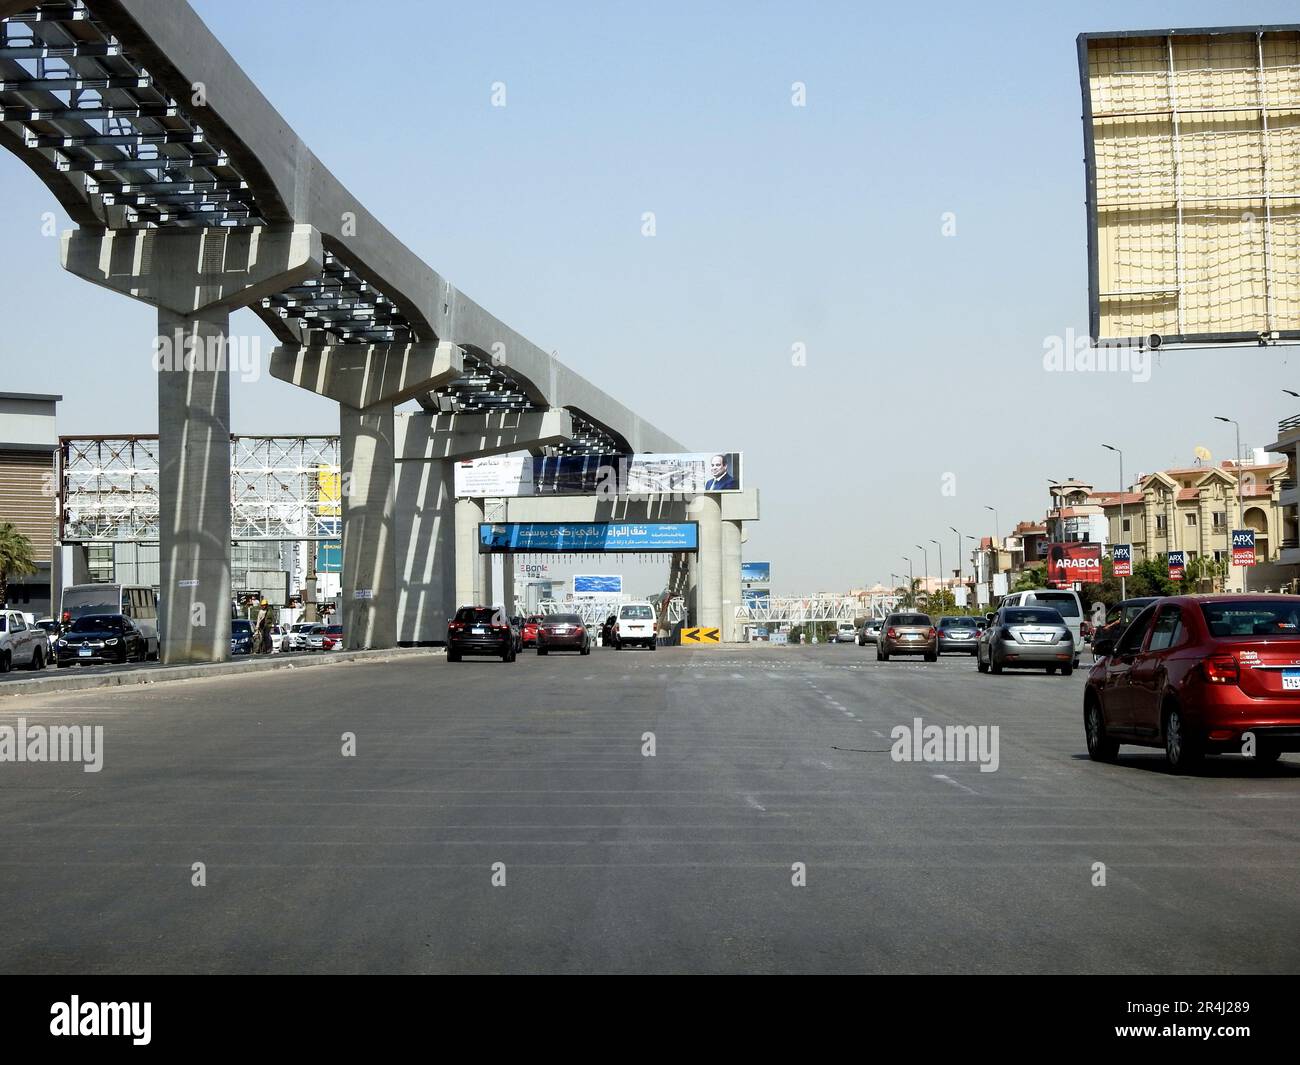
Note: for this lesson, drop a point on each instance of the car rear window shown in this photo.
(1065, 605)
(565, 619)
(1255, 618)
(475, 615)
(635, 613)
(957, 623)
(910, 619)
(1031, 615)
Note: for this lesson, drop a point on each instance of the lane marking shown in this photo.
(956, 784)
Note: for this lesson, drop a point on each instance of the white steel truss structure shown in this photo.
(774, 610)
(281, 488)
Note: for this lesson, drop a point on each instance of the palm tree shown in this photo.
(15, 558)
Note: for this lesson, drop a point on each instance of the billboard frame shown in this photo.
(1183, 340)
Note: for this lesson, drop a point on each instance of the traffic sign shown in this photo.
(698, 635)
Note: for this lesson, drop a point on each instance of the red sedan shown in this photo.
(528, 636)
(1197, 675)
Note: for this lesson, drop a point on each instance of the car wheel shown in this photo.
(1067, 670)
(38, 661)
(1267, 753)
(980, 664)
(585, 650)
(1051, 671)
(933, 657)
(1183, 751)
(453, 656)
(995, 667)
(1101, 748)
(4, 662)
(540, 649)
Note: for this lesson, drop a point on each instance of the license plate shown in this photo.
(478, 629)
(83, 652)
(911, 636)
(1037, 637)
(1291, 680)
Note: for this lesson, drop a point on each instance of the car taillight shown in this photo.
(579, 630)
(1221, 669)
(892, 634)
(456, 625)
(1007, 634)
(932, 633)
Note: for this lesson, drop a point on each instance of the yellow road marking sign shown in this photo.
(698, 635)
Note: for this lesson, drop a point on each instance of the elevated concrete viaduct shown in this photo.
(193, 194)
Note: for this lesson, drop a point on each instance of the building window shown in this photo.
(1127, 524)
(1218, 519)
(1191, 521)
(1162, 523)
(99, 561)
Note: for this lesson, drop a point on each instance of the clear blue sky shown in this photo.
(776, 225)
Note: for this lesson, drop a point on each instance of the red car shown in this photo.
(1193, 674)
(563, 632)
(528, 637)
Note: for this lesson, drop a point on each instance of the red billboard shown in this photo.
(1073, 563)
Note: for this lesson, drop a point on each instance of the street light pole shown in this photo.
(925, 556)
(1123, 584)
(910, 579)
(951, 529)
(1241, 510)
(940, 547)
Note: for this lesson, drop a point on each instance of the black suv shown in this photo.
(480, 630)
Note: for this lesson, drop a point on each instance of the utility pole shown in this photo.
(1123, 584)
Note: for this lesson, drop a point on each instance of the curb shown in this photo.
(167, 674)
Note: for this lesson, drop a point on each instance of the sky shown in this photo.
(777, 229)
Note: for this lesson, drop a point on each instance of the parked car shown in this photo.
(517, 627)
(958, 632)
(21, 643)
(1035, 637)
(1118, 618)
(908, 633)
(845, 632)
(332, 638)
(635, 624)
(314, 638)
(870, 632)
(1064, 601)
(241, 636)
(295, 638)
(102, 638)
(528, 635)
(563, 632)
(1194, 674)
(277, 638)
(139, 602)
(480, 630)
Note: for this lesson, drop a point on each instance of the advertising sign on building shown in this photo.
(594, 584)
(1121, 556)
(587, 537)
(1068, 563)
(756, 573)
(1243, 547)
(604, 475)
(1177, 565)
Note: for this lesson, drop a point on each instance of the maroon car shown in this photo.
(562, 632)
(1195, 674)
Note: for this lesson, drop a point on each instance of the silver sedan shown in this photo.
(1026, 636)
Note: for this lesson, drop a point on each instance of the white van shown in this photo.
(1064, 601)
(635, 624)
(138, 602)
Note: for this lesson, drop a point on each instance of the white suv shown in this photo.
(635, 624)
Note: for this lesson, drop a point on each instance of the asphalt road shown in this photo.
(618, 862)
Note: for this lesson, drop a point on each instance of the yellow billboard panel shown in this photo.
(328, 496)
(1192, 152)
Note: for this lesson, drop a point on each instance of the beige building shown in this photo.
(29, 443)
(1195, 508)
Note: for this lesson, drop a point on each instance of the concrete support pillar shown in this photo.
(730, 580)
(707, 568)
(369, 585)
(469, 563)
(426, 550)
(193, 487)
(508, 582)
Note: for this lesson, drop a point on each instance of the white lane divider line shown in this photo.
(956, 784)
(878, 734)
(753, 802)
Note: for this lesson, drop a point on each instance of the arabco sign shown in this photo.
(1070, 563)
